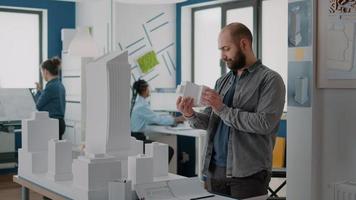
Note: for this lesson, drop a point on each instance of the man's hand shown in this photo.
(185, 106)
(38, 87)
(211, 98)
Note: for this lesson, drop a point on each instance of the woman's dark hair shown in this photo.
(52, 65)
(138, 87)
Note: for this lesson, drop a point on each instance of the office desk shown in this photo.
(198, 134)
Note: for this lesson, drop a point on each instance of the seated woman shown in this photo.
(53, 98)
(142, 114)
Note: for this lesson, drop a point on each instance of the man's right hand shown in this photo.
(185, 106)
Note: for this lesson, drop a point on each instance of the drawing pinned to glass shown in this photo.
(299, 22)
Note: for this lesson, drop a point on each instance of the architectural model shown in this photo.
(188, 89)
(120, 189)
(59, 160)
(36, 132)
(159, 153)
(140, 169)
(108, 100)
(111, 155)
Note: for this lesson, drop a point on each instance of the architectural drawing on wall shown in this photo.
(151, 26)
(299, 21)
(340, 38)
(336, 44)
(341, 46)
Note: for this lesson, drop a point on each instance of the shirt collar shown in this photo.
(140, 99)
(254, 66)
(53, 80)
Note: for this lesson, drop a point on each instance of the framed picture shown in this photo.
(336, 44)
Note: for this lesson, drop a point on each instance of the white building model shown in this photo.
(189, 89)
(36, 132)
(108, 141)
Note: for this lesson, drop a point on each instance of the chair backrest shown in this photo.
(279, 153)
(279, 150)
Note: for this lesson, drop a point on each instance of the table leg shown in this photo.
(25, 193)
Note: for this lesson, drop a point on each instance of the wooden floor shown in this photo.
(12, 191)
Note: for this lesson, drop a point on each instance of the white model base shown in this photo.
(140, 169)
(120, 189)
(92, 174)
(59, 160)
(32, 162)
(159, 152)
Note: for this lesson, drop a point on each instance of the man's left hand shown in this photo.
(211, 98)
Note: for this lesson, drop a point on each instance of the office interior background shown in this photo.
(320, 129)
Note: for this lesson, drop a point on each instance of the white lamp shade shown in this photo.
(83, 44)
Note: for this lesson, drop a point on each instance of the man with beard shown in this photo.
(241, 119)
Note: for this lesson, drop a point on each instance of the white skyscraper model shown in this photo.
(59, 160)
(107, 126)
(108, 104)
(159, 152)
(36, 132)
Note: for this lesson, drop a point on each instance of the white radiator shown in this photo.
(345, 190)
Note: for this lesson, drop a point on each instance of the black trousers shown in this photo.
(142, 137)
(62, 128)
(237, 187)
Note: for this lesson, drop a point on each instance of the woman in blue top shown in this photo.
(142, 114)
(53, 98)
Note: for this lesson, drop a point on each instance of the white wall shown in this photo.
(141, 28)
(338, 137)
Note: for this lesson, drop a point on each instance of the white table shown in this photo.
(198, 134)
(62, 190)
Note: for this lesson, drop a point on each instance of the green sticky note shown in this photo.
(148, 61)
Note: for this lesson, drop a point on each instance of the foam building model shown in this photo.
(120, 189)
(110, 153)
(36, 132)
(140, 169)
(136, 147)
(59, 160)
(189, 89)
(107, 126)
(158, 152)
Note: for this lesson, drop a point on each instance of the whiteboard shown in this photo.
(16, 104)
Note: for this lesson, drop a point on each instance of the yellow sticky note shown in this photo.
(299, 54)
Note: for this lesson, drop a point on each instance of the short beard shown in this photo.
(241, 62)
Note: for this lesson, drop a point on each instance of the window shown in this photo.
(207, 22)
(275, 37)
(21, 47)
(267, 20)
